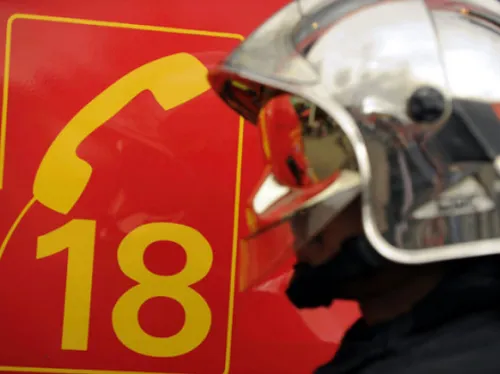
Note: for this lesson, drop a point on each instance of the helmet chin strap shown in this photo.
(319, 286)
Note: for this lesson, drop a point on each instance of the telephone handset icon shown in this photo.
(62, 176)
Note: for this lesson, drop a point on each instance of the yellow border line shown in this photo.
(5, 96)
(239, 158)
(234, 249)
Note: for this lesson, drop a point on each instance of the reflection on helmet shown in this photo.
(307, 145)
(386, 94)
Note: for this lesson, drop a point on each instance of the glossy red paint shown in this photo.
(148, 165)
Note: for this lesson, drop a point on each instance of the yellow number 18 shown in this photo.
(78, 236)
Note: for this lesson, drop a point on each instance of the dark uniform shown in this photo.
(454, 330)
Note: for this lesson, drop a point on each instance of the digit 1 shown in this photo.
(78, 236)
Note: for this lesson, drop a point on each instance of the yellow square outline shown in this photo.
(239, 156)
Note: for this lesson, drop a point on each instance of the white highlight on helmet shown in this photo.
(269, 193)
(353, 61)
(334, 199)
(467, 197)
(347, 180)
(471, 55)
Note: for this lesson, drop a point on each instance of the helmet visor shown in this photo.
(332, 84)
(311, 178)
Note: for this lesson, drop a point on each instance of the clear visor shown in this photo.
(317, 77)
(289, 235)
(312, 177)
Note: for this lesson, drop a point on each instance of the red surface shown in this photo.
(148, 165)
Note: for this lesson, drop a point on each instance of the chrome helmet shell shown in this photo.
(409, 91)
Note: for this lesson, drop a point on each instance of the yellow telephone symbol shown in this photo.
(62, 176)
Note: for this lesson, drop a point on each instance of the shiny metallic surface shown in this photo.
(312, 176)
(413, 85)
(469, 44)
